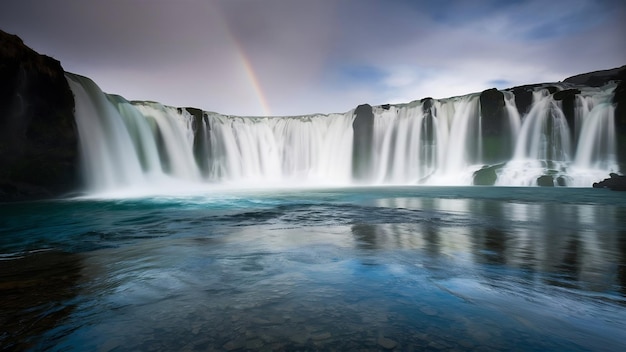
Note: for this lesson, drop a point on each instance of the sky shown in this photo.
(294, 57)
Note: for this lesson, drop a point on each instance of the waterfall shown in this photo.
(545, 134)
(108, 153)
(399, 138)
(175, 135)
(455, 141)
(463, 148)
(126, 145)
(305, 150)
(549, 150)
(597, 140)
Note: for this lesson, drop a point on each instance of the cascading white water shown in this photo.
(545, 147)
(545, 134)
(141, 131)
(514, 119)
(597, 140)
(126, 145)
(409, 149)
(398, 142)
(142, 144)
(107, 150)
(176, 138)
(463, 145)
(304, 150)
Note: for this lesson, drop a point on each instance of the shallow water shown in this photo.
(403, 268)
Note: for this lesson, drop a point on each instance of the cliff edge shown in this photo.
(38, 135)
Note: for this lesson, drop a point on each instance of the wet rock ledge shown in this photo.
(615, 183)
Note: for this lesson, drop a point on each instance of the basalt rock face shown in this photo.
(619, 100)
(523, 97)
(38, 135)
(598, 78)
(201, 142)
(495, 126)
(492, 111)
(363, 126)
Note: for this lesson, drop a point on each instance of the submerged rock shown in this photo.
(386, 343)
(615, 182)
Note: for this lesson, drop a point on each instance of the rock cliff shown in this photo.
(38, 136)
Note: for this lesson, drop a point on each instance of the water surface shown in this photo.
(403, 268)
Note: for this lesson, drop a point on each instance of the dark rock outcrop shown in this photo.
(619, 100)
(427, 121)
(38, 135)
(614, 182)
(428, 155)
(523, 97)
(492, 112)
(486, 176)
(362, 155)
(201, 140)
(545, 181)
(598, 78)
(566, 94)
(495, 129)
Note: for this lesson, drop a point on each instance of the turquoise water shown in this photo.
(389, 268)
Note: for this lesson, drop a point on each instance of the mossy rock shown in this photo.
(545, 181)
(486, 176)
(561, 181)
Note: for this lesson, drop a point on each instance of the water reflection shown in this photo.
(569, 245)
(390, 237)
(621, 267)
(366, 236)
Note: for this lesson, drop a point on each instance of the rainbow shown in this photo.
(252, 76)
(243, 58)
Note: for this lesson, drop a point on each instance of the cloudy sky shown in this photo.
(287, 57)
